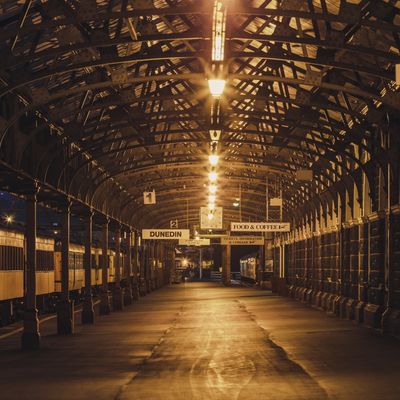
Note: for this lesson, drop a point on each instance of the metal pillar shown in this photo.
(261, 267)
(128, 298)
(105, 307)
(65, 307)
(226, 266)
(149, 265)
(87, 309)
(30, 336)
(143, 269)
(118, 296)
(200, 263)
(156, 264)
(135, 266)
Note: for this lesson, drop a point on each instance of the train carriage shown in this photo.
(45, 266)
(48, 271)
(11, 265)
(76, 275)
(249, 266)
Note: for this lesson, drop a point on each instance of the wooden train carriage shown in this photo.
(45, 266)
(76, 271)
(97, 277)
(11, 265)
(248, 266)
(111, 266)
(76, 267)
(113, 263)
(12, 262)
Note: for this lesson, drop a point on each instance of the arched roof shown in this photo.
(102, 100)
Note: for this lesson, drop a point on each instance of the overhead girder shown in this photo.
(200, 79)
(172, 212)
(193, 10)
(308, 122)
(103, 143)
(94, 193)
(19, 183)
(185, 180)
(173, 165)
(322, 104)
(286, 56)
(175, 206)
(228, 188)
(168, 56)
(156, 163)
(286, 146)
(251, 193)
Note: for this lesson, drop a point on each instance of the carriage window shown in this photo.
(78, 261)
(71, 260)
(11, 258)
(44, 260)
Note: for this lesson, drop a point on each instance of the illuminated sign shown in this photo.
(260, 226)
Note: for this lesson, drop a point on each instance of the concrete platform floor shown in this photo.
(204, 341)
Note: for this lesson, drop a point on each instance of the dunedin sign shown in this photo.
(165, 234)
(260, 226)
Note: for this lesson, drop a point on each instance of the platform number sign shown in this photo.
(149, 197)
(173, 224)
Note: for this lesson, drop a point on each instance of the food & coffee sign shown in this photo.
(260, 226)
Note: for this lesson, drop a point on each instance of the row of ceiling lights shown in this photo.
(216, 85)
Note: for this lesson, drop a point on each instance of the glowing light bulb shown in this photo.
(213, 159)
(212, 176)
(210, 216)
(235, 204)
(211, 198)
(211, 206)
(212, 189)
(216, 86)
(9, 219)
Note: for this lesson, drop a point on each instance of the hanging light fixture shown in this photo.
(213, 176)
(213, 159)
(216, 87)
(212, 189)
(211, 198)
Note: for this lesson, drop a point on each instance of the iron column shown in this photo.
(105, 307)
(30, 336)
(118, 298)
(128, 299)
(87, 310)
(65, 307)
